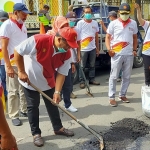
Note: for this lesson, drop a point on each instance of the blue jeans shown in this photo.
(90, 56)
(3, 78)
(67, 89)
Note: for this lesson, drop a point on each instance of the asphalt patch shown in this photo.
(120, 135)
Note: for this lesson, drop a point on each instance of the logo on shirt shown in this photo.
(146, 46)
(131, 29)
(85, 42)
(119, 46)
(44, 50)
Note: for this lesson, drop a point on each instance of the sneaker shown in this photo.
(82, 85)
(73, 96)
(16, 122)
(119, 80)
(124, 99)
(72, 109)
(94, 83)
(113, 103)
(23, 114)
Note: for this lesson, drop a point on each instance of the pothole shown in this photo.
(120, 135)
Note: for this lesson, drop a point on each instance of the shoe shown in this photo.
(23, 114)
(16, 122)
(37, 140)
(124, 99)
(72, 109)
(94, 83)
(119, 80)
(82, 85)
(73, 96)
(113, 103)
(64, 132)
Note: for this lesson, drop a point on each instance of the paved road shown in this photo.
(94, 112)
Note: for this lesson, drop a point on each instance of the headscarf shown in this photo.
(58, 23)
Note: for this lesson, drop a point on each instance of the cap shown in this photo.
(22, 7)
(3, 15)
(112, 13)
(70, 35)
(124, 8)
(71, 14)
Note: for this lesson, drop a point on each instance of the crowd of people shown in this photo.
(48, 60)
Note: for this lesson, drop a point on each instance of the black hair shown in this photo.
(87, 7)
(58, 35)
(46, 6)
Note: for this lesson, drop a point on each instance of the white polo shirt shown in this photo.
(122, 42)
(10, 30)
(87, 34)
(41, 61)
(146, 44)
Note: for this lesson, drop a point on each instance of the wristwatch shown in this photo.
(57, 92)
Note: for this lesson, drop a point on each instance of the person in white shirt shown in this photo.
(89, 45)
(12, 33)
(122, 50)
(146, 46)
(3, 17)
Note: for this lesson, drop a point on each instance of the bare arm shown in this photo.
(9, 69)
(59, 81)
(103, 26)
(5, 42)
(107, 41)
(21, 69)
(7, 139)
(139, 14)
(78, 52)
(135, 42)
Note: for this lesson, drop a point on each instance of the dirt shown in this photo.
(120, 135)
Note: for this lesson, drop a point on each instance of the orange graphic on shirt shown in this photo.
(119, 46)
(146, 46)
(1, 54)
(12, 61)
(85, 42)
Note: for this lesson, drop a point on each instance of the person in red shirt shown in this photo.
(43, 55)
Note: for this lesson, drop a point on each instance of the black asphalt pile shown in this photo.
(120, 135)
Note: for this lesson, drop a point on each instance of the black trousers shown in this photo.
(146, 60)
(33, 102)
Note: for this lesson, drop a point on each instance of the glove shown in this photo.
(111, 53)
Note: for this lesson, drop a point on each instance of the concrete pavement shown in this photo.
(94, 112)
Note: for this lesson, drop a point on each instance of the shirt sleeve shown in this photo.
(48, 16)
(79, 27)
(5, 30)
(110, 29)
(65, 67)
(78, 34)
(146, 24)
(27, 47)
(73, 55)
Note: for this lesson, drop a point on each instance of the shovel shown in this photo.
(92, 131)
(88, 90)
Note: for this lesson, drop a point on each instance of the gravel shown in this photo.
(121, 134)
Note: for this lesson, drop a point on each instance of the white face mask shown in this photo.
(20, 21)
(124, 17)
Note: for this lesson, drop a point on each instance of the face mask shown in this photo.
(20, 21)
(1, 23)
(71, 23)
(124, 17)
(88, 16)
(110, 20)
(61, 50)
